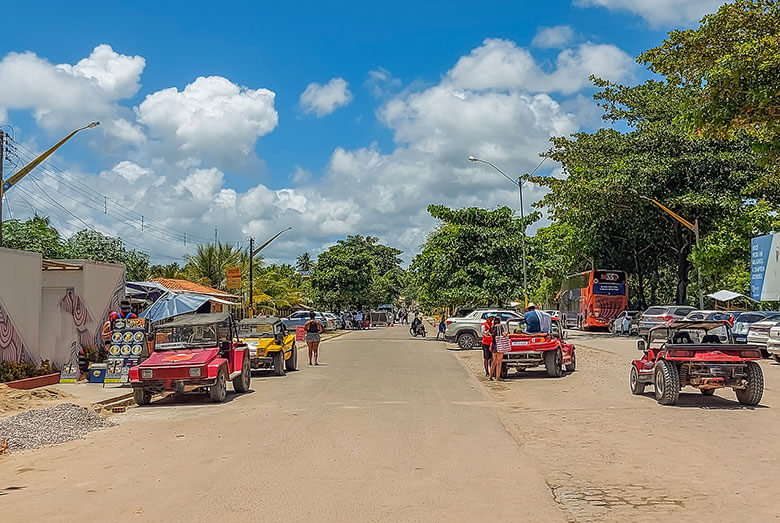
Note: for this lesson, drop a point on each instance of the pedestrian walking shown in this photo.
(313, 328)
(497, 357)
(487, 341)
(442, 328)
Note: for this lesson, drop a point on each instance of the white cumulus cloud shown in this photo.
(211, 116)
(660, 13)
(324, 99)
(554, 37)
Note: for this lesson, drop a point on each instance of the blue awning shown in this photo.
(174, 304)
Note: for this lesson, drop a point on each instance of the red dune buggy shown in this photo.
(195, 352)
(700, 354)
(534, 350)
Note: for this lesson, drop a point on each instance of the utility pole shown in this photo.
(215, 237)
(251, 270)
(2, 160)
(522, 219)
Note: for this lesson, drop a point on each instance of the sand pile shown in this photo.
(13, 400)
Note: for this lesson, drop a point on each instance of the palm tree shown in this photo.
(172, 270)
(305, 264)
(210, 261)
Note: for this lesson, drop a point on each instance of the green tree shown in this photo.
(92, 245)
(472, 258)
(611, 173)
(172, 270)
(305, 263)
(731, 61)
(35, 235)
(210, 261)
(357, 272)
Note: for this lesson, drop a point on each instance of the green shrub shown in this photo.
(12, 370)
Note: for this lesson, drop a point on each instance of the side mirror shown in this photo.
(641, 345)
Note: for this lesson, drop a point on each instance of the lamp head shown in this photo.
(473, 158)
(93, 124)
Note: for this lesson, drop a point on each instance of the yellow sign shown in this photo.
(233, 272)
(234, 283)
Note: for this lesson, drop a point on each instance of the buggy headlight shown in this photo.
(195, 372)
(147, 374)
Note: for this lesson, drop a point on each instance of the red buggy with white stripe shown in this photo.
(534, 350)
(194, 353)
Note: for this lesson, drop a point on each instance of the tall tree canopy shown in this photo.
(357, 272)
(472, 258)
(732, 61)
(611, 174)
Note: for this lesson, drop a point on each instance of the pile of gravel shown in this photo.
(50, 426)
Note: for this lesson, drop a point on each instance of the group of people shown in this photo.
(536, 322)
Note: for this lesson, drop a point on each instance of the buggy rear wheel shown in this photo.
(279, 363)
(552, 363)
(666, 383)
(571, 367)
(142, 396)
(637, 387)
(291, 363)
(752, 393)
(241, 382)
(218, 391)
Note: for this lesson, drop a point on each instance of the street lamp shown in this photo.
(693, 227)
(21, 173)
(519, 184)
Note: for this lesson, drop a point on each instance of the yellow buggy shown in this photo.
(271, 346)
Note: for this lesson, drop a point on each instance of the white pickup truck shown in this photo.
(465, 331)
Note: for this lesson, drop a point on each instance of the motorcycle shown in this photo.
(418, 331)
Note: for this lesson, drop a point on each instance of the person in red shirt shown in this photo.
(487, 341)
(108, 327)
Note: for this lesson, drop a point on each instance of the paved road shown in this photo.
(388, 428)
(610, 456)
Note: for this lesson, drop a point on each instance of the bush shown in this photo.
(13, 370)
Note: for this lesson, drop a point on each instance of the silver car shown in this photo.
(659, 315)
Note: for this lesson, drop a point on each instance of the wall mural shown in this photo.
(75, 306)
(11, 345)
(113, 305)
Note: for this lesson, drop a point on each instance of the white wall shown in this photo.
(20, 300)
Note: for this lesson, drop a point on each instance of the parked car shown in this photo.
(299, 319)
(758, 333)
(271, 345)
(338, 322)
(465, 331)
(743, 322)
(200, 352)
(686, 353)
(554, 314)
(617, 325)
(659, 315)
(773, 342)
(712, 315)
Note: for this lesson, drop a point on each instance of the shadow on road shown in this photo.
(699, 401)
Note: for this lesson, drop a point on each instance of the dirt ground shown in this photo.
(14, 400)
(608, 455)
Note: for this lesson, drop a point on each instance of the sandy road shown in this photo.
(389, 428)
(609, 455)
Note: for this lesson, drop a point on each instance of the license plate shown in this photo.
(522, 342)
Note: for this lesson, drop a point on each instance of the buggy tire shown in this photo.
(279, 363)
(218, 391)
(754, 391)
(776, 357)
(666, 382)
(466, 340)
(504, 371)
(291, 363)
(552, 363)
(571, 367)
(142, 396)
(637, 387)
(707, 392)
(242, 381)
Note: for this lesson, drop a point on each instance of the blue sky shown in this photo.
(368, 163)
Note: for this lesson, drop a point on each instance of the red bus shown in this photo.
(593, 298)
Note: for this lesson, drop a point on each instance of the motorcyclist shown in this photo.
(416, 322)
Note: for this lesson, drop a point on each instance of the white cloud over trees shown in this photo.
(324, 99)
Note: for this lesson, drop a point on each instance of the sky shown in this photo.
(333, 118)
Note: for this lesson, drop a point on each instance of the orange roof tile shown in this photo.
(188, 286)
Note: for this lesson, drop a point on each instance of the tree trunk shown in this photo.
(683, 265)
(642, 305)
